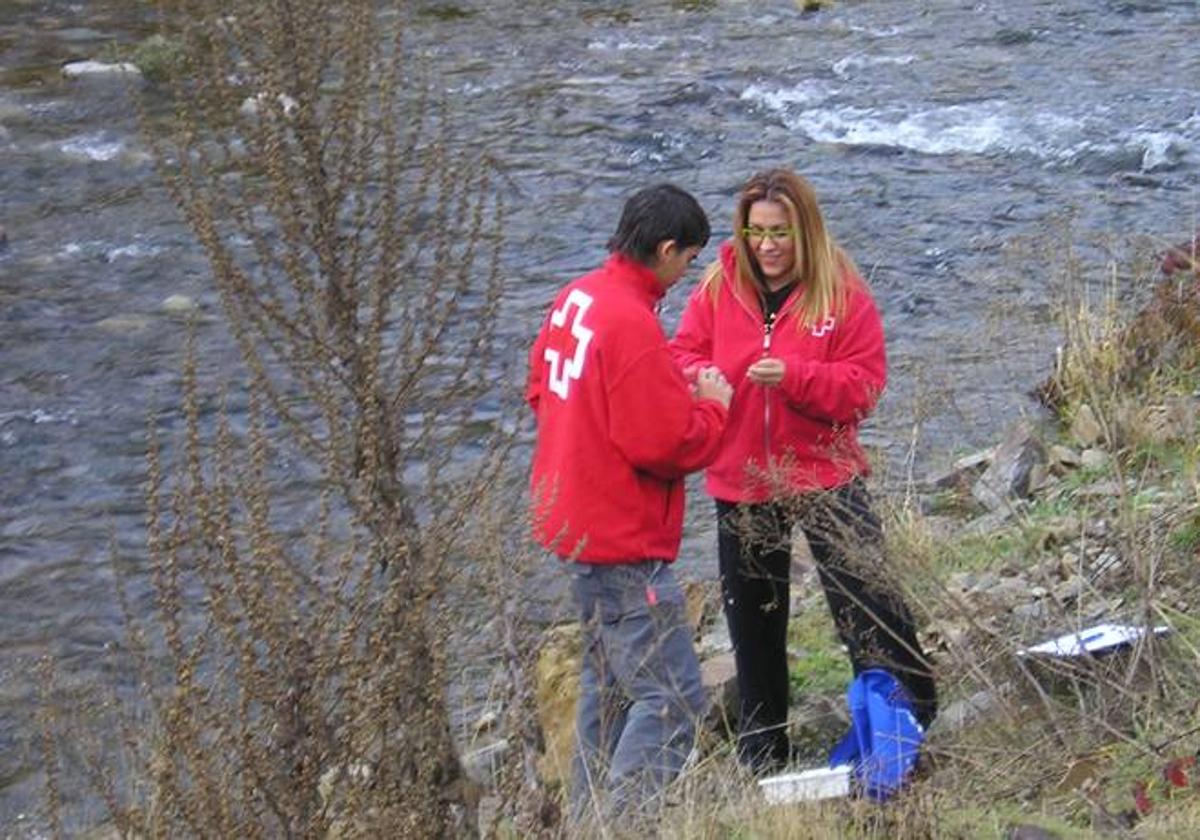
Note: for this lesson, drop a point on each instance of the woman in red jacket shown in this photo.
(785, 316)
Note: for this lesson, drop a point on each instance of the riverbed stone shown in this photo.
(123, 324)
(12, 112)
(179, 305)
(83, 69)
(252, 106)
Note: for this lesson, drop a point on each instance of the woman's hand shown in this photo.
(711, 385)
(768, 372)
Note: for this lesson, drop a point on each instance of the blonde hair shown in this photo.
(822, 269)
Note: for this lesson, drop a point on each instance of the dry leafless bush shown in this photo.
(294, 667)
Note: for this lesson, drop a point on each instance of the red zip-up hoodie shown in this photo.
(618, 427)
(802, 434)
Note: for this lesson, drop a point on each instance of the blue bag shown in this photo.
(884, 738)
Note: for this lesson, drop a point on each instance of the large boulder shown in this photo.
(1013, 472)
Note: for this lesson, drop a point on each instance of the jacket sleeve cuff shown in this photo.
(795, 377)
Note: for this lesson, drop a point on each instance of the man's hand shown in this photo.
(711, 385)
(768, 371)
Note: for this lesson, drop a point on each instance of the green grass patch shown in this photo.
(977, 552)
(998, 822)
(1185, 537)
(822, 665)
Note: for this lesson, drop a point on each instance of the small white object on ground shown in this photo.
(807, 785)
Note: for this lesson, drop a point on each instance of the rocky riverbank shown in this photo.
(1082, 516)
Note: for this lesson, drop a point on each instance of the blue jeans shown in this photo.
(640, 694)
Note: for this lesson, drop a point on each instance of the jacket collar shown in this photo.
(729, 266)
(638, 276)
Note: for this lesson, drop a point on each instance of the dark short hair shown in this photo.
(655, 214)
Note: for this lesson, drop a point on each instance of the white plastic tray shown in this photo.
(807, 785)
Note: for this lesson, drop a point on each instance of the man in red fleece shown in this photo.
(618, 429)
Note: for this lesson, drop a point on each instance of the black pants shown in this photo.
(844, 534)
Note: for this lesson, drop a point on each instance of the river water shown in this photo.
(949, 142)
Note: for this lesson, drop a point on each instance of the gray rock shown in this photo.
(962, 713)
(1063, 457)
(82, 69)
(1071, 589)
(79, 34)
(1107, 563)
(252, 106)
(1100, 490)
(1032, 612)
(715, 641)
(984, 582)
(1010, 473)
(719, 677)
(1094, 459)
(962, 581)
(123, 324)
(1007, 593)
(11, 112)
(989, 521)
(179, 305)
(965, 471)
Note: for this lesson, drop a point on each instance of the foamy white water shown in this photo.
(991, 126)
(96, 147)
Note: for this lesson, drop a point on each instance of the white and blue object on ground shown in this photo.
(875, 758)
(1097, 640)
(884, 740)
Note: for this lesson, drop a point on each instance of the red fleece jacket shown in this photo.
(802, 434)
(617, 426)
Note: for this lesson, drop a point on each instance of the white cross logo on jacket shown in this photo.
(563, 371)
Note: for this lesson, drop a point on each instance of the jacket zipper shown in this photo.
(768, 328)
